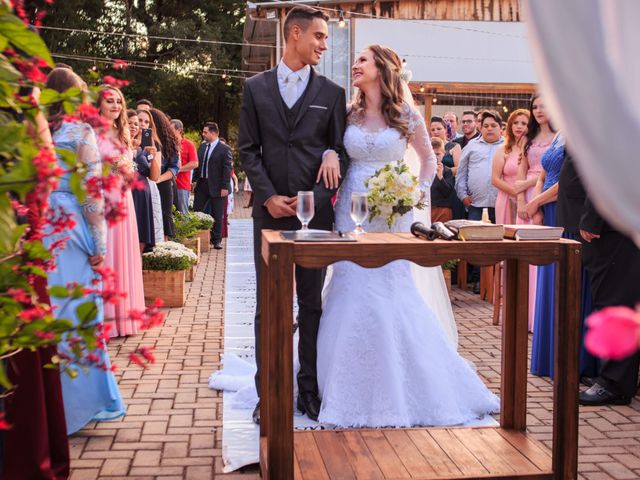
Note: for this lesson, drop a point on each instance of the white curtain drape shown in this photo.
(586, 55)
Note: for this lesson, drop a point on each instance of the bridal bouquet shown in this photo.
(393, 191)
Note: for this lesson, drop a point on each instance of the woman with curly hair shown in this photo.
(170, 151)
(123, 251)
(384, 358)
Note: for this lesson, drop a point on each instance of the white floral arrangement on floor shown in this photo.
(393, 191)
(169, 256)
(202, 220)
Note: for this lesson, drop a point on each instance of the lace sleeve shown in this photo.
(93, 207)
(421, 143)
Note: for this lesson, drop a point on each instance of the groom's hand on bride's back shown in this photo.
(280, 206)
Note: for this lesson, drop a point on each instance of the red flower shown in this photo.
(137, 359)
(19, 295)
(120, 65)
(614, 332)
(34, 313)
(3, 423)
(86, 110)
(49, 336)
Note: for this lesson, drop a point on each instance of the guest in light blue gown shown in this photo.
(94, 394)
(544, 198)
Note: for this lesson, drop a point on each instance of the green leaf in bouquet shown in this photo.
(34, 270)
(86, 312)
(8, 73)
(76, 184)
(4, 379)
(4, 41)
(59, 291)
(21, 37)
(69, 157)
(77, 292)
(71, 372)
(36, 250)
(49, 96)
(68, 107)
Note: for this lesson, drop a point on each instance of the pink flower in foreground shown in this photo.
(614, 332)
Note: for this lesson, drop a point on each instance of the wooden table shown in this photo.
(425, 453)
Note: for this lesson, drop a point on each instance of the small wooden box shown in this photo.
(169, 285)
(193, 244)
(205, 240)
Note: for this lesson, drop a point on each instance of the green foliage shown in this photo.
(449, 264)
(179, 91)
(185, 226)
(25, 322)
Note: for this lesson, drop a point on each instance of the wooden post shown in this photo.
(264, 351)
(566, 360)
(513, 405)
(280, 361)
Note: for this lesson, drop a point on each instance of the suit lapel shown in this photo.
(271, 77)
(314, 87)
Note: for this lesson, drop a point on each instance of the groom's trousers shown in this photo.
(309, 284)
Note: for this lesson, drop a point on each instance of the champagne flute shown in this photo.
(305, 208)
(359, 210)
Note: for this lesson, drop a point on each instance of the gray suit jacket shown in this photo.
(280, 160)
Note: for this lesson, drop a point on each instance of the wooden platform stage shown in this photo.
(423, 453)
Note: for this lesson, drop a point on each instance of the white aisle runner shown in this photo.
(240, 436)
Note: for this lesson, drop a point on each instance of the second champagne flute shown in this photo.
(359, 210)
(305, 208)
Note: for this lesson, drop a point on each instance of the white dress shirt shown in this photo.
(205, 161)
(303, 80)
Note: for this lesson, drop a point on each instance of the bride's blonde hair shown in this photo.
(393, 104)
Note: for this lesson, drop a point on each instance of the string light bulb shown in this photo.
(341, 22)
(94, 68)
(421, 88)
(499, 102)
(223, 76)
(435, 100)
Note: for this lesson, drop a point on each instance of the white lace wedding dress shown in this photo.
(383, 356)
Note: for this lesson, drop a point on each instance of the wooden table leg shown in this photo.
(461, 273)
(280, 369)
(513, 404)
(497, 292)
(566, 364)
(264, 367)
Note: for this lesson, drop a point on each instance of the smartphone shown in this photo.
(146, 138)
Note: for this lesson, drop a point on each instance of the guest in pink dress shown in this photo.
(540, 134)
(123, 252)
(505, 166)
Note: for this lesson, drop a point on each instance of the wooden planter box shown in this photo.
(190, 274)
(193, 244)
(447, 279)
(166, 284)
(205, 240)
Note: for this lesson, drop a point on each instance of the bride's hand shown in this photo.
(329, 171)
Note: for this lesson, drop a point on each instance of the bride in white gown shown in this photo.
(383, 357)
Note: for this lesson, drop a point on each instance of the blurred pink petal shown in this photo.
(614, 332)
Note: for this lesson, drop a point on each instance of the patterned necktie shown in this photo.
(291, 89)
(205, 162)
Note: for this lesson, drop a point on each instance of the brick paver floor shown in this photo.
(172, 429)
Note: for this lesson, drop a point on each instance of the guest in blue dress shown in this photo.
(544, 198)
(94, 394)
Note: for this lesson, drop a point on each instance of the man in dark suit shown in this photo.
(613, 263)
(292, 121)
(212, 178)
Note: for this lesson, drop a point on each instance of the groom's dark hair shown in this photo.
(302, 16)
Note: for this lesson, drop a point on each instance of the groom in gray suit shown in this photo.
(292, 120)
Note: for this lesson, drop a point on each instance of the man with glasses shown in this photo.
(469, 128)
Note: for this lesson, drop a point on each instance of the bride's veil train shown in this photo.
(430, 280)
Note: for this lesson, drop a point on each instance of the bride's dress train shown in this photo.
(383, 356)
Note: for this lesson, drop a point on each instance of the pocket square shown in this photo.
(318, 106)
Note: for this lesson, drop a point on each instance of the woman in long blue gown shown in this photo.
(542, 356)
(94, 394)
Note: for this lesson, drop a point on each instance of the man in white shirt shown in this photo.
(293, 119)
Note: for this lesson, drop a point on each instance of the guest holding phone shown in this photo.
(151, 149)
(142, 196)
